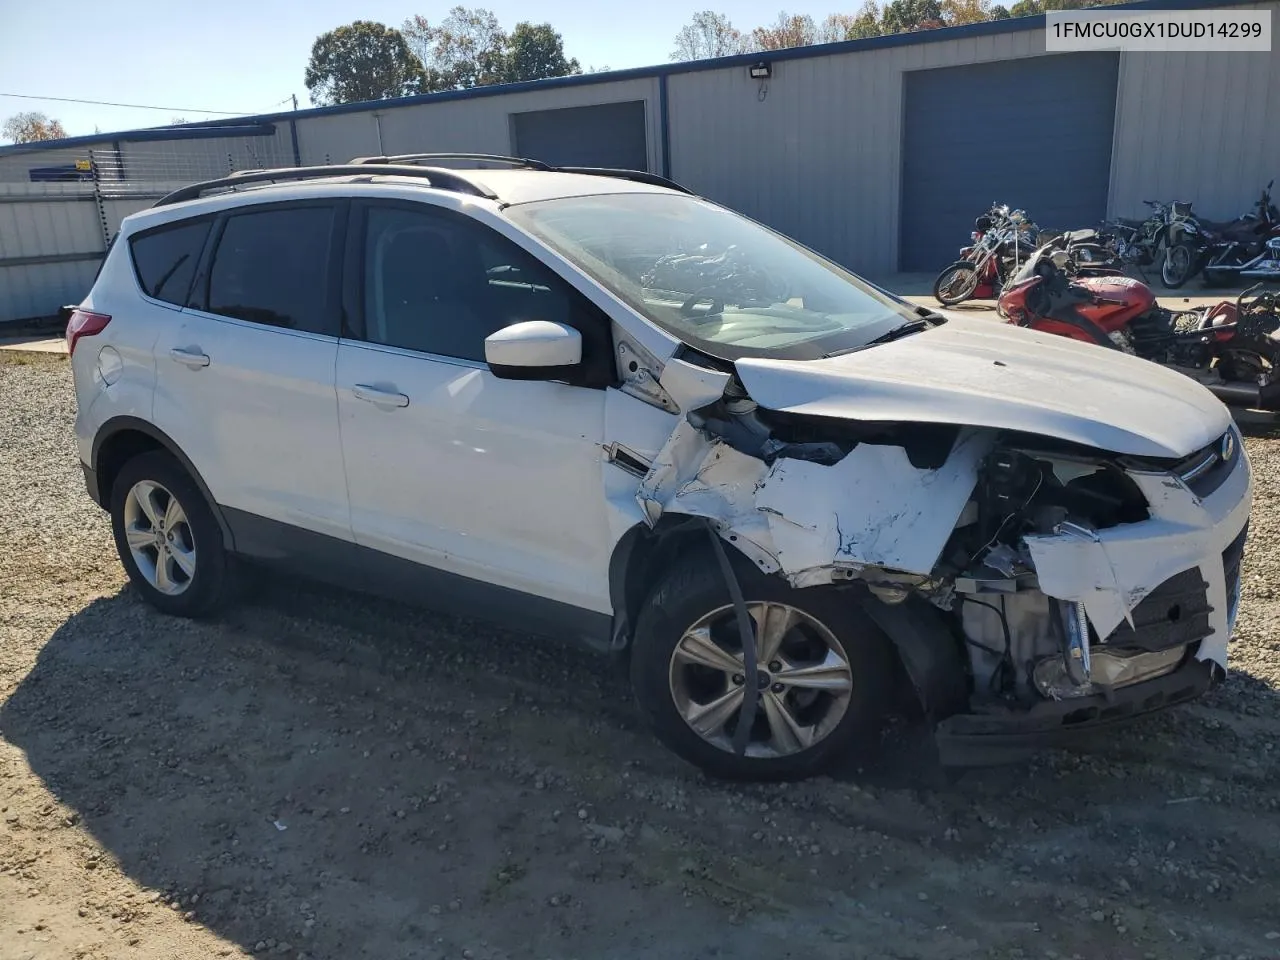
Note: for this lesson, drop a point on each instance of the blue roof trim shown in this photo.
(254, 129)
(942, 34)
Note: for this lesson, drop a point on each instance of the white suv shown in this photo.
(591, 405)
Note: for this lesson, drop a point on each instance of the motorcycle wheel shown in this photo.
(1175, 268)
(956, 283)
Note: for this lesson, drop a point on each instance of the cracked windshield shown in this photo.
(715, 279)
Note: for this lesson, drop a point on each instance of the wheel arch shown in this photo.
(643, 553)
(121, 439)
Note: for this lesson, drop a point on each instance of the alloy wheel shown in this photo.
(803, 679)
(159, 537)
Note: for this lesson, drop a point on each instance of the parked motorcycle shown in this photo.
(1091, 252)
(1232, 348)
(1245, 248)
(1002, 240)
(1137, 242)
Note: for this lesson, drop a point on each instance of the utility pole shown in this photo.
(295, 100)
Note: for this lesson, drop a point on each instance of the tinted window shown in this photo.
(272, 267)
(165, 259)
(441, 284)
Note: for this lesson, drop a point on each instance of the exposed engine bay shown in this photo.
(1060, 570)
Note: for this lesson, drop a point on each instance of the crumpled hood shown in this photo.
(986, 374)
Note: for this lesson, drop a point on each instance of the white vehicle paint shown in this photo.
(980, 373)
(958, 468)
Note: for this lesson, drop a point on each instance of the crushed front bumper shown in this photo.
(984, 739)
(1170, 581)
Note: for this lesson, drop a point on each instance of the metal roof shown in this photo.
(244, 126)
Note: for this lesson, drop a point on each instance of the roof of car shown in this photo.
(514, 181)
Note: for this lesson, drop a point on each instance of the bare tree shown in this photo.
(836, 27)
(709, 34)
(466, 49)
(32, 126)
(789, 30)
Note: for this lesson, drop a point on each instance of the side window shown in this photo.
(440, 283)
(272, 267)
(165, 258)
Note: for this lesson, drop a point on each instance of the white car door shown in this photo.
(244, 375)
(496, 481)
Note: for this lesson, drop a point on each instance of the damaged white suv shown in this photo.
(590, 404)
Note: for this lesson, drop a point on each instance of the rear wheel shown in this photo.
(1175, 268)
(822, 681)
(168, 540)
(956, 283)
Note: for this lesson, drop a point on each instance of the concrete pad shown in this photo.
(30, 345)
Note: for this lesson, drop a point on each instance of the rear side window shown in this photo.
(272, 267)
(165, 259)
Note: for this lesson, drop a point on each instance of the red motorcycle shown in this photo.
(1001, 239)
(1232, 348)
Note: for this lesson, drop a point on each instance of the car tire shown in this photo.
(694, 589)
(193, 540)
(945, 289)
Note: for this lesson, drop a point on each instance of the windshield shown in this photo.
(718, 281)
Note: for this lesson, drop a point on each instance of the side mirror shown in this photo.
(533, 350)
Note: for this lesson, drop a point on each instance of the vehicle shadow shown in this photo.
(320, 777)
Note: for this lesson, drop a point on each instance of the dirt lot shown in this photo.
(318, 774)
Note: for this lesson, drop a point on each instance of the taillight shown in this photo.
(83, 323)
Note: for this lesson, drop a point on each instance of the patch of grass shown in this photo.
(24, 358)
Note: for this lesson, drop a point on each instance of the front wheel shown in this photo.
(1175, 269)
(822, 681)
(956, 284)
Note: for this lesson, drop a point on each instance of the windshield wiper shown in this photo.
(902, 330)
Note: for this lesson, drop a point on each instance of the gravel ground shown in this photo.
(321, 775)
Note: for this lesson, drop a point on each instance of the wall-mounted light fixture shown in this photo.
(761, 70)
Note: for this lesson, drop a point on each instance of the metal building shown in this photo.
(878, 153)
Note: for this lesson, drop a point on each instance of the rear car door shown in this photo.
(244, 380)
(497, 481)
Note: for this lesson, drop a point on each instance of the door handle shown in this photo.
(190, 358)
(378, 396)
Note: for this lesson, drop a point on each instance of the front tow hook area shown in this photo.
(1010, 735)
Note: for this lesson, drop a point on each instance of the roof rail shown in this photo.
(435, 177)
(485, 157)
(639, 176)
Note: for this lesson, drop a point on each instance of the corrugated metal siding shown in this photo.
(39, 290)
(1203, 127)
(42, 226)
(13, 168)
(819, 156)
(482, 125)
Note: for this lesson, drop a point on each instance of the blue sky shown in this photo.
(249, 55)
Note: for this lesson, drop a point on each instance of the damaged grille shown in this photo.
(1173, 614)
(1205, 470)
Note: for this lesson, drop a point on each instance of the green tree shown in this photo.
(535, 52)
(901, 16)
(362, 61)
(866, 22)
(955, 12)
(709, 34)
(30, 126)
(999, 12)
